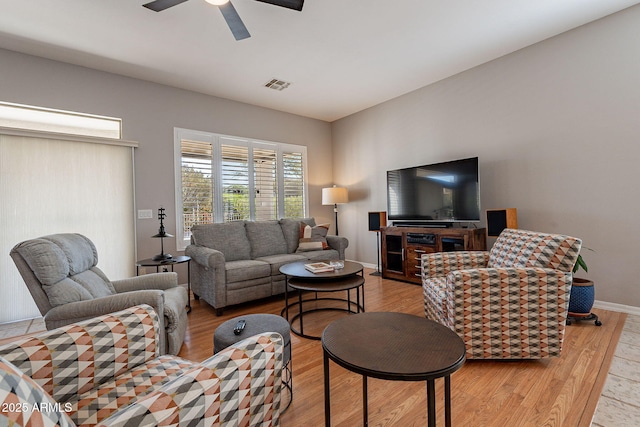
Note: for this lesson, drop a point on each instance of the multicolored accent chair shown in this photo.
(510, 303)
(107, 371)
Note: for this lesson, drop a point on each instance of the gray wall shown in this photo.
(556, 129)
(150, 112)
(555, 126)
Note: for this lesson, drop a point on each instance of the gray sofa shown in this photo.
(239, 261)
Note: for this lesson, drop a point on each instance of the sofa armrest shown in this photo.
(147, 281)
(206, 257)
(74, 359)
(442, 263)
(338, 243)
(216, 391)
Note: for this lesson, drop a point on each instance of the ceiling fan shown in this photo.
(228, 11)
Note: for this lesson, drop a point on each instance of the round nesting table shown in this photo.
(393, 346)
(344, 279)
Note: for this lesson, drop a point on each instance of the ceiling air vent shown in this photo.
(277, 84)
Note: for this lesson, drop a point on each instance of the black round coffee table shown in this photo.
(299, 278)
(393, 346)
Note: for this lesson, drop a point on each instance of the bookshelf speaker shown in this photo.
(377, 220)
(499, 219)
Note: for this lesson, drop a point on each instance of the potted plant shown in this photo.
(582, 295)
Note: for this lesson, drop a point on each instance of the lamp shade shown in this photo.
(334, 196)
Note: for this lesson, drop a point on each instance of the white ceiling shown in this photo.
(341, 56)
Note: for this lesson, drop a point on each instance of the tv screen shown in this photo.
(440, 192)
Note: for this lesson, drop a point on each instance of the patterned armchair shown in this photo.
(510, 303)
(107, 371)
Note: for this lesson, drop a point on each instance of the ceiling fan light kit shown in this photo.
(237, 27)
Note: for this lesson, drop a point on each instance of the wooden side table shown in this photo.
(393, 346)
(149, 262)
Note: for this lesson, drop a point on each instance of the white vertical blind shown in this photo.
(52, 185)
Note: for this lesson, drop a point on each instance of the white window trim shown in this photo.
(214, 139)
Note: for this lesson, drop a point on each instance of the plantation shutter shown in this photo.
(197, 188)
(293, 176)
(234, 179)
(265, 167)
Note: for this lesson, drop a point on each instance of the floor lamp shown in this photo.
(376, 221)
(335, 196)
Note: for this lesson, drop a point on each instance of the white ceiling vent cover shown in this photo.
(277, 84)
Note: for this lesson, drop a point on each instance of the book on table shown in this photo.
(319, 267)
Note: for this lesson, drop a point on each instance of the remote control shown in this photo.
(239, 327)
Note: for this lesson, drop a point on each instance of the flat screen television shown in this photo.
(445, 192)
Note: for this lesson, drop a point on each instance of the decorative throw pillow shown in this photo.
(313, 238)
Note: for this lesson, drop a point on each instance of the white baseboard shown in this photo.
(617, 307)
(366, 264)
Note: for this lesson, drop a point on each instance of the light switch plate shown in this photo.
(145, 213)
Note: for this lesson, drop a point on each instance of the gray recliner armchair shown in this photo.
(61, 274)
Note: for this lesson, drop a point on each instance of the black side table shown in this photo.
(393, 346)
(149, 262)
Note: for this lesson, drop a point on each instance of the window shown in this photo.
(224, 178)
(57, 121)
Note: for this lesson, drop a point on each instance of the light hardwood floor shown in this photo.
(559, 392)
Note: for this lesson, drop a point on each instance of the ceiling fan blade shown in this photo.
(160, 5)
(289, 4)
(234, 22)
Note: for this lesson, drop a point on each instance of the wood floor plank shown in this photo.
(560, 392)
(555, 392)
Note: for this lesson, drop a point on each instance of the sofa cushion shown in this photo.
(240, 270)
(266, 238)
(277, 261)
(291, 231)
(45, 259)
(66, 291)
(83, 286)
(230, 238)
(322, 255)
(80, 252)
(313, 238)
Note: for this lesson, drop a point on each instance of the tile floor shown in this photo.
(619, 404)
(22, 327)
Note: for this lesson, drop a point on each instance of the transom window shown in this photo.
(223, 178)
(28, 117)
